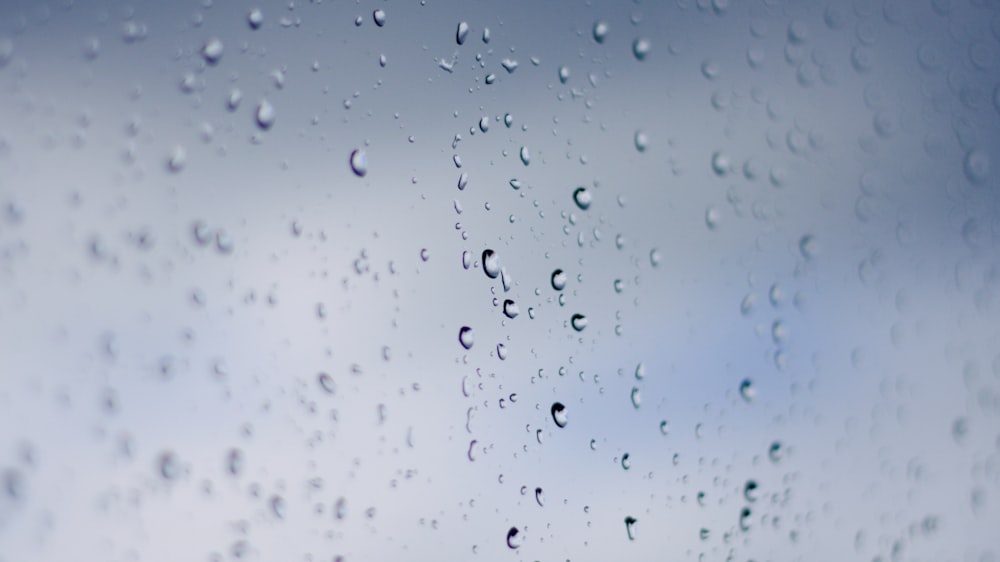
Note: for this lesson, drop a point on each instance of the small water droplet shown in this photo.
(514, 538)
(775, 451)
(177, 159)
(745, 514)
(466, 337)
(626, 461)
(510, 309)
(379, 17)
(559, 279)
(425, 254)
(466, 259)
(491, 264)
(654, 257)
(977, 166)
(212, 50)
(808, 246)
(712, 218)
(255, 18)
(326, 383)
(559, 414)
(235, 462)
(641, 141)
(600, 31)
(579, 322)
(539, 497)
(750, 491)
(582, 197)
(664, 427)
(265, 115)
(630, 527)
(640, 371)
(563, 74)
(359, 162)
(501, 353)
(484, 124)
(278, 506)
(640, 48)
(508, 119)
(636, 397)
(525, 156)
(747, 390)
(169, 466)
(462, 32)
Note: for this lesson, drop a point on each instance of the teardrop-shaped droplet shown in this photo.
(462, 32)
(359, 163)
(582, 197)
(559, 414)
(559, 278)
(600, 31)
(265, 115)
(466, 337)
(510, 309)
(525, 156)
(379, 17)
(579, 322)
(626, 461)
(491, 264)
(514, 539)
(630, 527)
(326, 383)
(539, 497)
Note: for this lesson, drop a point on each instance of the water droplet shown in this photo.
(977, 165)
(630, 527)
(501, 352)
(582, 197)
(579, 322)
(641, 141)
(712, 217)
(808, 246)
(211, 51)
(486, 35)
(265, 115)
(703, 534)
(484, 124)
(636, 397)
(508, 119)
(235, 462)
(255, 18)
(600, 31)
(466, 337)
(425, 254)
(234, 99)
(515, 184)
(539, 497)
(619, 285)
(472, 448)
(169, 466)
(626, 462)
(563, 74)
(514, 538)
(747, 390)
(720, 164)
(559, 279)
(326, 383)
(463, 180)
(559, 414)
(278, 506)
(640, 48)
(750, 491)
(466, 259)
(640, 371)
(462, 32)
(664, 427)
(491, 264)
(654, 257)
(359, 162)
(525, 156)
(745, 514)
(510, 309)
(177, 159)
(379, 16)
(775, 451)
(510, 65)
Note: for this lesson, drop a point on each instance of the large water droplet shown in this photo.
(359, 163)
(630, 527)
(212, 50)
(466, 337)
(559, 414)
(379, 16)
(600, 31)
(514, 538)
(265, 115)
(462, 32)
(491, 264)
(559, 278)
(579, 322)
(582, 197)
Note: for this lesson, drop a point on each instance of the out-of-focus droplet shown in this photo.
(462, 32)
(491, 264)
(745, 514)
(169, 466)
(977, 166)
(579, 322)
(720, 164)
(664, 427)
(582, 198)
(359, 162)
(177, 159)
(559, 279)
(559, 414)
(600, 31)
(775, 452)
(235, 462)
(750, 491)
(212, 50)
(265, 115)
(630, 527)
(255, 18)
(510, 309)
(234, 99)
(379, 17)
(808, 246)
(466, 337)
(641, 141)
(514, 538)
(712, 217)
(326, 383)
(747, 390)
(278, 507)
(626, 461)
(640, 48)
(654, 257)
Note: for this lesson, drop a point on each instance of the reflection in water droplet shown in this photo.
(579, 322)
(582, 198)
(466, 337)
(462, 32)
(640, 48)
(514, 538)
(265, 115)
(491, 264)
(359, 162)
(630, 527)
(326, 383)
(559, 279)
(600, 31)
(559, 414)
